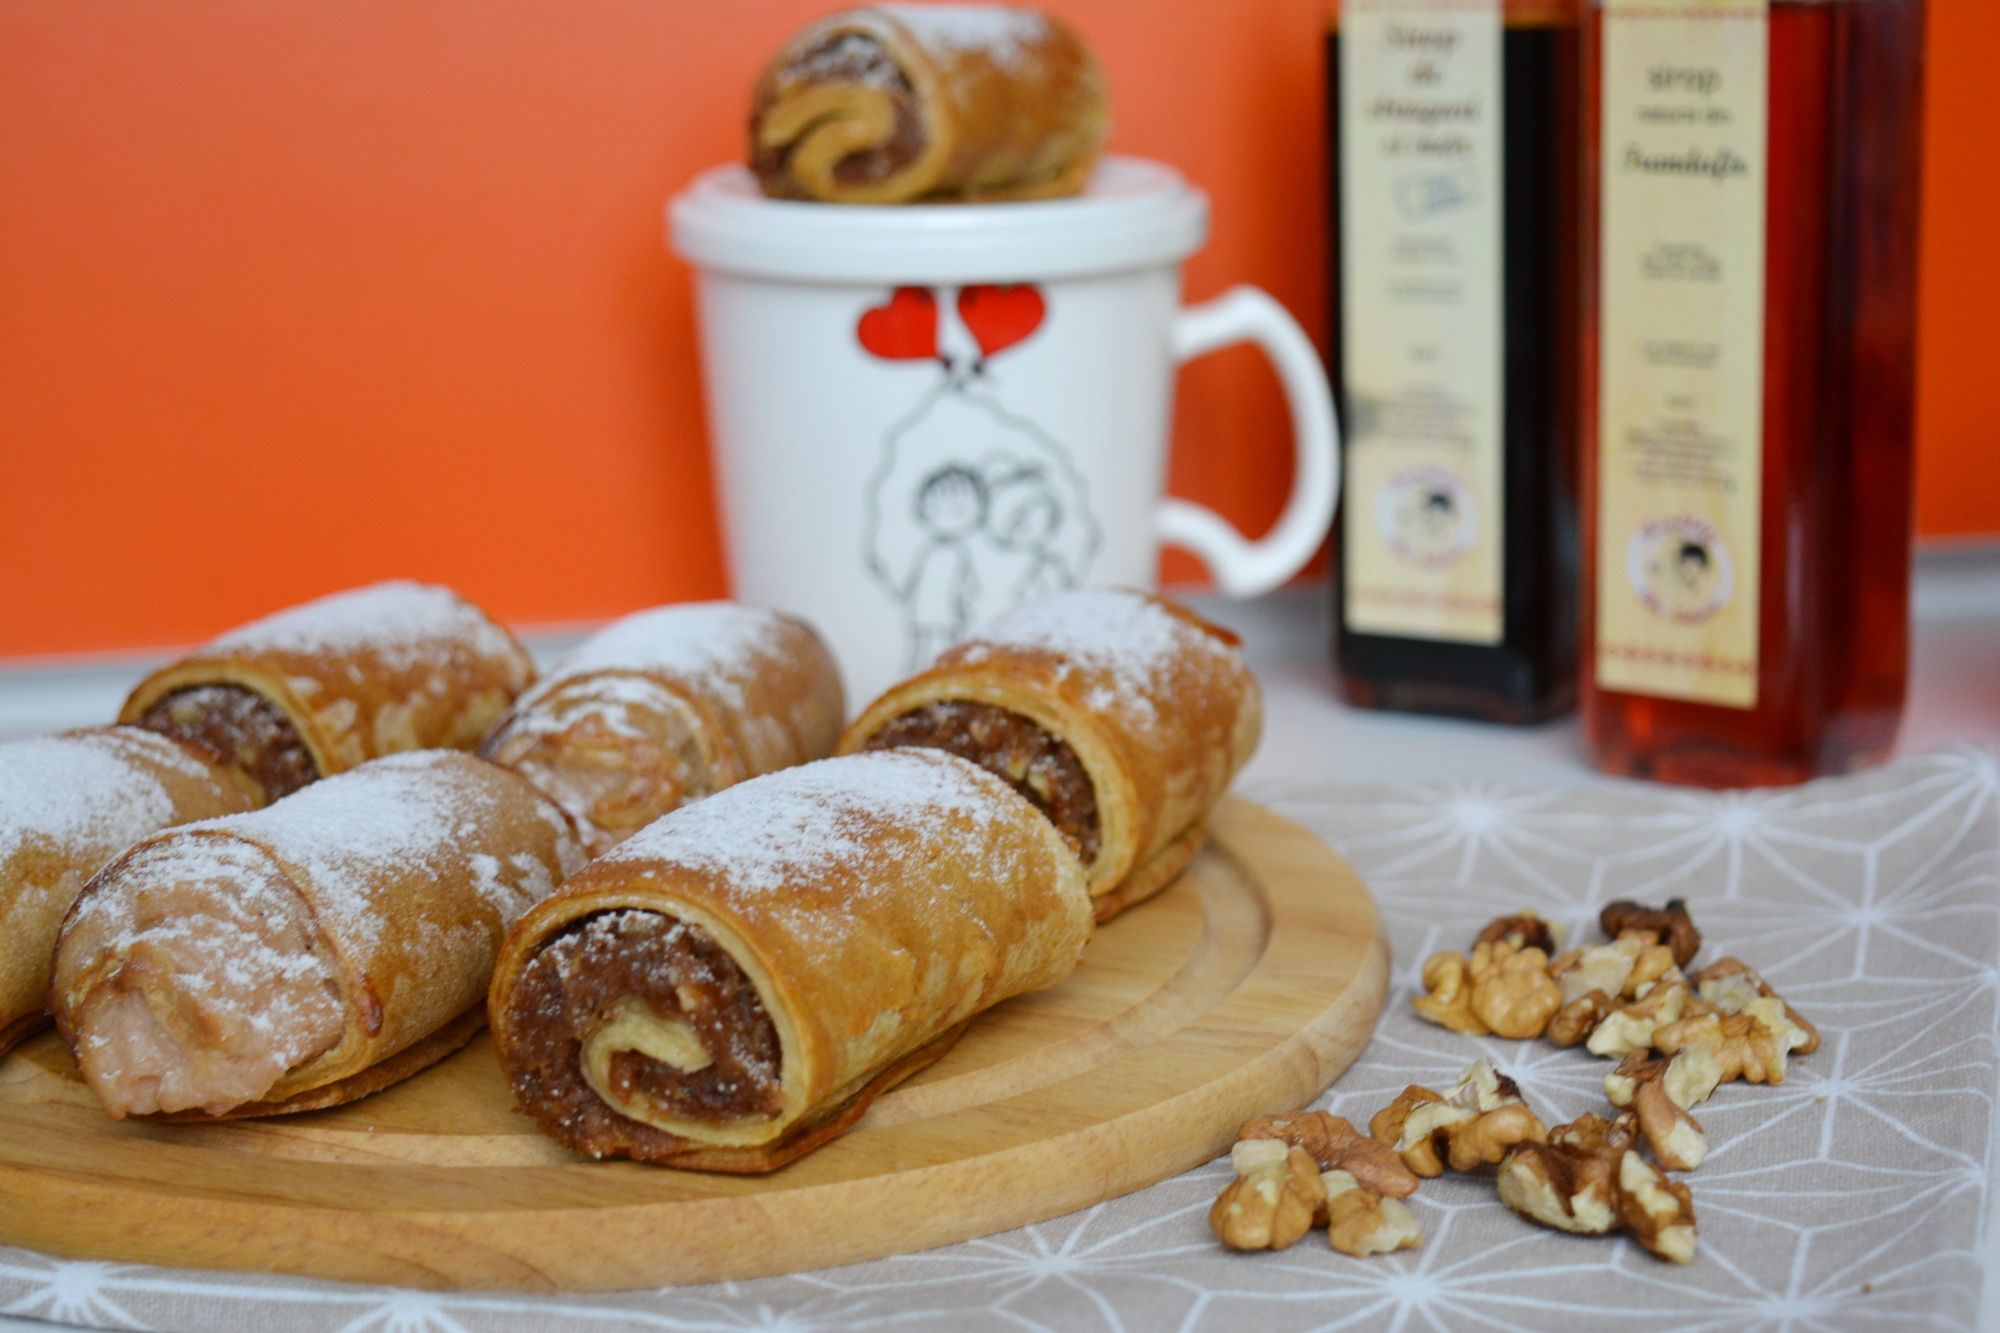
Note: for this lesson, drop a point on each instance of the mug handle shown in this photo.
(1242, 567)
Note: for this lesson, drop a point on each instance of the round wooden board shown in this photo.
(1246, 987)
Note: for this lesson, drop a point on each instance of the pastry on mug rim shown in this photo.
(894, 104)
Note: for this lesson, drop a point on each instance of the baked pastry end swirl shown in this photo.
(733, 985)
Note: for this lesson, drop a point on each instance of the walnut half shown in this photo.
(1511, 990)
(1273, 1200)
(1447, 978)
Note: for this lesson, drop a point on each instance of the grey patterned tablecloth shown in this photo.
(1853, 1196)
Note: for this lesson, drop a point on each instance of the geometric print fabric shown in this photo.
(1853, 1196)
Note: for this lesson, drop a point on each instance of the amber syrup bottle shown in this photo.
(1454, 142)
(1748, 554)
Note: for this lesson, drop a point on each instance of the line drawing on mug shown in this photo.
(973, 509)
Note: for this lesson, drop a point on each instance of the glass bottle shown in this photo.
(1749, 372)
(1453, 130)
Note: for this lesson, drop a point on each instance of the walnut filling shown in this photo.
(241, 728)
(1040, 766)
(628, 1016)
(847, 114)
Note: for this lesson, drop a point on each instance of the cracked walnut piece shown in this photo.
(1274, 1199)
(1448, 978)
(1503, 989)
(1361, 1222)
(1386, 1126)
(1670, 925)
(1579, 1018)
(1689, 1077)
(1571, 1182)
(1476, 1123)
(1587, 1180)
(1523, 930)
(1659, 1211)
(1511, 991)
(1750, 1045)
(1602, 967)
(1336, 1145)
(1678, 1141)
(1730, 985)
(1630, 1026)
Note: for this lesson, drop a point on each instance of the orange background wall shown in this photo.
(295, 296)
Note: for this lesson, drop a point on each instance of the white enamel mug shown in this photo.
(925, 415)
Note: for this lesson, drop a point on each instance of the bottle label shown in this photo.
(1420, 218)
(1681, 347)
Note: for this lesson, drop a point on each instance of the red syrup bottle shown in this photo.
(1751, 185)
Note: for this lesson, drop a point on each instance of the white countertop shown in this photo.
(1309, 732)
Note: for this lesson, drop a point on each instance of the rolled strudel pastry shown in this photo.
(1121, 715)
(668, 706)
(308, 953)
(68, 804)
(732, 986)
(896, 103)
(316, 689)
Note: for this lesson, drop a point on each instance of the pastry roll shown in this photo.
(733, 985)
(668, 706)
(308, 953)
(68, 804)
(1121, 715)
(316, 689)
(897, 103)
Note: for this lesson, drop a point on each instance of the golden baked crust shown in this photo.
(68, 804)
(411, 869)
(1155, 873)
(875, 903)
(895, 104)
(379, 670)
(386, 1073)
(1155, 701)
(671, 704)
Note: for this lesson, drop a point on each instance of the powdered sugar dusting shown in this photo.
(714, 645)
(381, 823)
(401, 620)
(1001, 32)
(87, 786)
(779, 840)
(1127, 641)
(851, 57)
(236, 933)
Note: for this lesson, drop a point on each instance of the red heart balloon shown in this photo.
(903, 330)
(999, 317)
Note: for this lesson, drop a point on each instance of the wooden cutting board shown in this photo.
(1246, 987)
